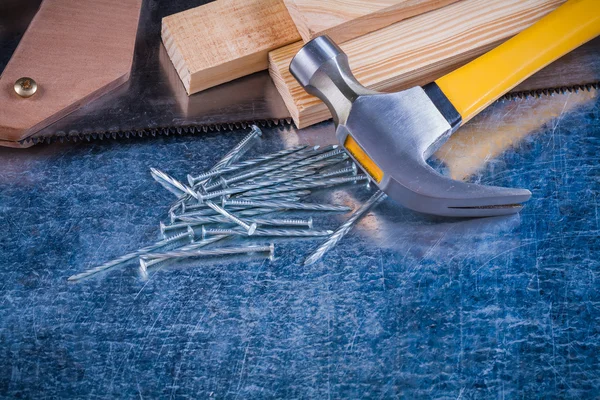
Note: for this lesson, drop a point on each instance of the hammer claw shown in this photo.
(420, 188)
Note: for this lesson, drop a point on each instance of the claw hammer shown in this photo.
(391, 135)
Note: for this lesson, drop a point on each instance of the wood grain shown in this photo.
(415, 51)
(225, 40)
(343, 20)
(76, 51)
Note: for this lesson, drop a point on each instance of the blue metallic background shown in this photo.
(407, 306)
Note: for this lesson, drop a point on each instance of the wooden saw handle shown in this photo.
(75, 51)
(476, 85)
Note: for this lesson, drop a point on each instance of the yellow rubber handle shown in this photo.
(476, 85)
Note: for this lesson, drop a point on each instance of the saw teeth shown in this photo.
(74, 136)
(538, 93)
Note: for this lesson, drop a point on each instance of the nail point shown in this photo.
(308, 262)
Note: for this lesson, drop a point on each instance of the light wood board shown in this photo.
(343, 20)
(415, 51)
(225, 40)
(76, 51)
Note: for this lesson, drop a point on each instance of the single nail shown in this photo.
(189, 235)
(308, 223)
(266, 232)
(193, 246)
(344, 229)
(225, 251)
(288, 205)
(193, 222)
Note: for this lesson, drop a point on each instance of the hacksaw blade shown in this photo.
(154, 101)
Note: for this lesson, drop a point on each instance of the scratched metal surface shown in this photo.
(407, 306)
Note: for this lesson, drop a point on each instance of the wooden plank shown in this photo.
(225, 40)
(406, 54)
(76, 51)
(343, 20)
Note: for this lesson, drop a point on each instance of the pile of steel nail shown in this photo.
(245, 199)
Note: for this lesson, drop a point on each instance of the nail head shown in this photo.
(252, 229)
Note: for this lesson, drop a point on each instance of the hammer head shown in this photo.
(391, 135)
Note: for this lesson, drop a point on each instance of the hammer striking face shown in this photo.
(391, 135)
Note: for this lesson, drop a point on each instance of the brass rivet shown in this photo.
(25, 87)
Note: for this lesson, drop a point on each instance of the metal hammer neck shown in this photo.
(322, 68)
